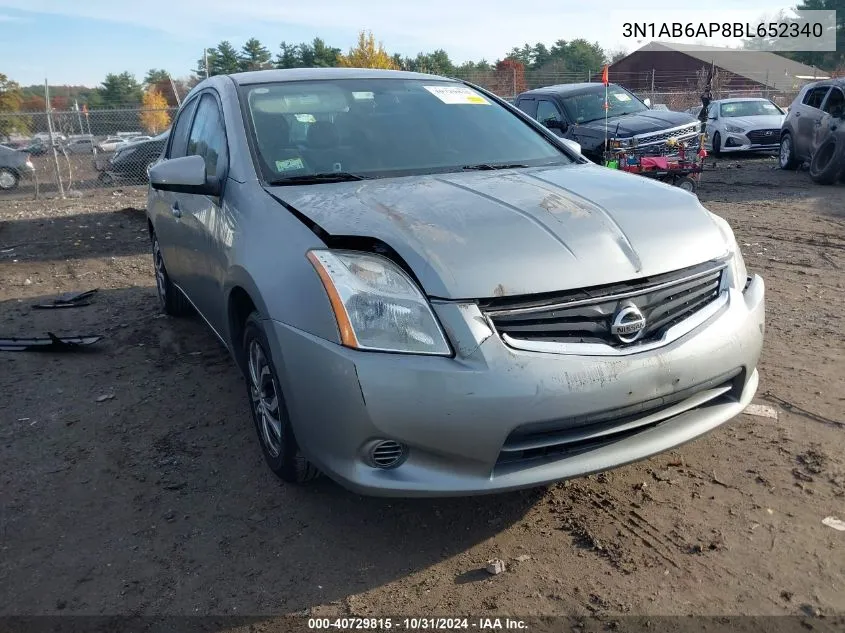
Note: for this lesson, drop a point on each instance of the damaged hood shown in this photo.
(501, 233)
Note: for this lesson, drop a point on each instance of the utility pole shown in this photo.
(205, 58)
(175, 92)
(53, 140)
(79, 116)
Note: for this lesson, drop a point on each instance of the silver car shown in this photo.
(743, 125)
(429, 294)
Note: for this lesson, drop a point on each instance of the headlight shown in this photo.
(377, 306)
(736, 265)
(733, 128)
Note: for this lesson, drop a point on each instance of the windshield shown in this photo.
(589, 106)
(385, 127)
(748, 108)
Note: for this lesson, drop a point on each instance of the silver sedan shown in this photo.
(430, 294)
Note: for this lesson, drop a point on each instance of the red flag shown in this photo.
(604, 76)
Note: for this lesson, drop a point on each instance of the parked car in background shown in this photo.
(827, 163)
(111, 143)
(746, 124)
(36, 147)
(432, 295)
(80, 146)
(576, 111)
(45, 137)
(805, 115)
(131, 161)
(14, 166)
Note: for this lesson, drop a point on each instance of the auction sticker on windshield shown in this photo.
(457, 95)
(289, 164)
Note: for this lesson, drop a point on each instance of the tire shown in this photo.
(786, 157)
(717, 144)
(9, 179)
(827, 161)
(687, 184)
(272, 423)
(171, 299)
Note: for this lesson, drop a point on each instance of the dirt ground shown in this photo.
(132, 482)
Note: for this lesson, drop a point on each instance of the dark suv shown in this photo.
(798, 136)
(576, 112)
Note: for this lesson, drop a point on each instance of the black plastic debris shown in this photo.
(50, 343)
(68, 300)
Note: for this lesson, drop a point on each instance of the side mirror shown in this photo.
(575, 147)
(647, 102)
(184, 175)
(554, 124)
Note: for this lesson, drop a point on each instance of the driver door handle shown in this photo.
(175, 210)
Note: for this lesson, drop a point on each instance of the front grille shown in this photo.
(656, 143)
(764, 137)
(572, 436)
(585, 316)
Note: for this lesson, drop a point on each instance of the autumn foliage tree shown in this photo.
(154, 115)
(367, 54)
(510, 77)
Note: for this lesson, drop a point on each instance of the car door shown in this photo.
(808, 116)
(528, 105)
(832, 111)
(550, 115)
(201, 216)
(163, 206)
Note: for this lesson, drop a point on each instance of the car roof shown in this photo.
(565, 90)
(740, 99)
(310, 74)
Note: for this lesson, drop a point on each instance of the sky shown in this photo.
(77, 42)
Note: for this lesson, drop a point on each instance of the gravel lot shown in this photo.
(132, 482)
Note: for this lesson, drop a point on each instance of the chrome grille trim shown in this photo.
(582, 326)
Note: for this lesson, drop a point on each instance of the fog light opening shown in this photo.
(386, 454)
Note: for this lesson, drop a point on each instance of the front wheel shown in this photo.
(269, 412)
(8, 179)
(171, 299)
(786, 157)
(717, 144)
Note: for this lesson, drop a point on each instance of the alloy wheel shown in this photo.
(161, 273)
(264, 398)
(785, 150)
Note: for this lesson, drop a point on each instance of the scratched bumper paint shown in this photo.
(455, 414)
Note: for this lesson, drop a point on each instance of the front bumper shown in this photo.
(456, 415)
(733, 142)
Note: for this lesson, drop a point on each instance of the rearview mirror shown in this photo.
(184, 175)
(647, 102)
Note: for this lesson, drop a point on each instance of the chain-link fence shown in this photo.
(67, 152)
(73, 151)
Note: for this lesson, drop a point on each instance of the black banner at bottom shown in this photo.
(533, 624)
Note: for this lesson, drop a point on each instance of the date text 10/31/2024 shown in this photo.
(416, 624)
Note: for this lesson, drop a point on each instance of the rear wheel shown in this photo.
(826, 164)
(8, 179)
(269, 412)
(786, 158)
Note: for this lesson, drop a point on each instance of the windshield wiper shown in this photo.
(489, 166)
(311, 179)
